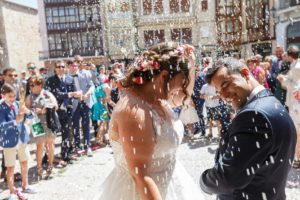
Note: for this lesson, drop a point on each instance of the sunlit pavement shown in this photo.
(83, 179)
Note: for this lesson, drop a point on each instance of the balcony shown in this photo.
(285, 4)
(294, 2)
(288, 8)
(44, 55)
(50, 3)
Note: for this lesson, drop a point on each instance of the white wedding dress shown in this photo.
(171, 178)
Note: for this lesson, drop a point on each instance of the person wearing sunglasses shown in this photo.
(44, 72)
(9, 77)
(31, 68)
(79, 61)
(62, 86)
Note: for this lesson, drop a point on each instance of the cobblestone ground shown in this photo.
(82, 180)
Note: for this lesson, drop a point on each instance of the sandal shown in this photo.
(296, 164)
(40, 173)
(49, 171)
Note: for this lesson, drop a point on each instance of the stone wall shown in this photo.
(22, 37)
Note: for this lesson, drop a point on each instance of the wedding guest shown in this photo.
(100, 115)
(14, 139)
(38, 101)
(62, 86)
(9, 77)
(291, 83)
(82, 105)
(208, 93)
(32, 70)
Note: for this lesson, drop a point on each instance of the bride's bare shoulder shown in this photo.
(128, 108)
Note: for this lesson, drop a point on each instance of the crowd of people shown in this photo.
(77, 96)
(56, 104)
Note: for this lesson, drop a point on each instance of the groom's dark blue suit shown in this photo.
(255, 155)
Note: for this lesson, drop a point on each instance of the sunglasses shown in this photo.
(31, 68)
(79, 61)
(13, 75)
(60, 66)
(32, 85)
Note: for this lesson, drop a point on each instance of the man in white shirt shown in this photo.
(291, 82)
(208, 93)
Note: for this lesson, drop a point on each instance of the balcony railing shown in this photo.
(283, 4)
(294, 2)
(69, 53)
(80, 2)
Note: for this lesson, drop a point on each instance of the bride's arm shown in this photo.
(136, 133)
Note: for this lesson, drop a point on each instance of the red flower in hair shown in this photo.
(138, 80)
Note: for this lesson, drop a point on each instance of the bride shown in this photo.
(144, 131)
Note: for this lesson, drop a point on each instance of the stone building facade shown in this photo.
(288, 23)
(133, 25)
(258, 30)
(245, 26)
(20, 41)
(185, 21)
(70, 28)
(120, 30)
(130, 26)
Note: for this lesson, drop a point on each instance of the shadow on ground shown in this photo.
(293, 180)
(201, 142)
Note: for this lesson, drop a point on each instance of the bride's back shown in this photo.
(166, 137)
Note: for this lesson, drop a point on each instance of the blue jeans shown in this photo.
(82, 112)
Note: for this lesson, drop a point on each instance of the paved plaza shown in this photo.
(83, 179)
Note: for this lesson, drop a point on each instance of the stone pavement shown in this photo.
(82, 180)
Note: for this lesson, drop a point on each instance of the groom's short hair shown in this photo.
(233, 66)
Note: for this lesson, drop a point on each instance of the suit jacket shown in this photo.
(10, 131)
(255, 155)
(60, 89)
(85, 83)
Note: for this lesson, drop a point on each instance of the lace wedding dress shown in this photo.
(171, 178)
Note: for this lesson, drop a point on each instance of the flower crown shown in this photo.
(144, 64)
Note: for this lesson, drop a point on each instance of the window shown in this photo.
(228, 22)
(174, 6)
(67, 43)
(152, 37)
(152, 7)
(204, 5)
(177, 6)
(185, 5)
(258, 20)
(183, 36)
(51, 42)
(61, 12)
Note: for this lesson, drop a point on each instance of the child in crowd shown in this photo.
(14, 139)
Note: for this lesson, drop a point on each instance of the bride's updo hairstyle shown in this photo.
(164, 56)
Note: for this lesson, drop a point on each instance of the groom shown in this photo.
(255, 155)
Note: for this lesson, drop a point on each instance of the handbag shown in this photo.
(52, 120)
(37, 127)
